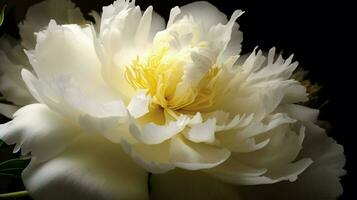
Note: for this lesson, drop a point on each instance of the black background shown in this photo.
(318, 33)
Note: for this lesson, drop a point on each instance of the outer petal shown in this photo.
(260, 87)
(12, 60)
(38, 16)
(64, 96)
(190, 185)
(203, 12)
(67, 50)
(38, 130)
(320, 181)
(276, 161)
(92, 168)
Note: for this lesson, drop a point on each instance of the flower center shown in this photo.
(161, 75)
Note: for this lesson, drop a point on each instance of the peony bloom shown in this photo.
(111, 109)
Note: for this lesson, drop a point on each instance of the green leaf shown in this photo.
(14, 172)
(2, 15)
(13, 167)
(1, 143)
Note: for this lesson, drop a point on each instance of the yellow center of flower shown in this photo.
(161, 75)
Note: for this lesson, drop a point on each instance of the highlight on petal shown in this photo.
(91, 168)
(38, 130)
(38, 16)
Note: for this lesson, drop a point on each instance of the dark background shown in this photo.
(318, 33)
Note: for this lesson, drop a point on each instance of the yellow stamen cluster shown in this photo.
(161, 74)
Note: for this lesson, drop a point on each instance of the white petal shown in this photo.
(320, 181)
(123, 21)
(139, 104)
(260, 87)
(152, 133)
(13, 59)
(62, 94)
(278, 158)
(302, 113)
(114, 128)
(274, 69)
(237, 122)
(190, 185)
(203, 132)
(227, 37)
(173, 14)
(240, 174)
(153, 158)
(203, 12)
(38, 16)
(91, 168)
(38, 130)
(295, 93)
(233, 138)
(193, 156)
(67, 50)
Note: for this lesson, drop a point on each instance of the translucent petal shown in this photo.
(38, 16)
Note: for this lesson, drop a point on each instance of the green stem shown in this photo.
(14, 194)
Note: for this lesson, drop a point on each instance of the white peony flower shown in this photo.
(132, 95)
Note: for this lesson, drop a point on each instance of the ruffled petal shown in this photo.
(37, 130)
(38, 16)
(190, 185)
(260, 85)
(91, 168)
(275, 162)
(242, 139)
(152, 133)
(320, 181)
(67, 50)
